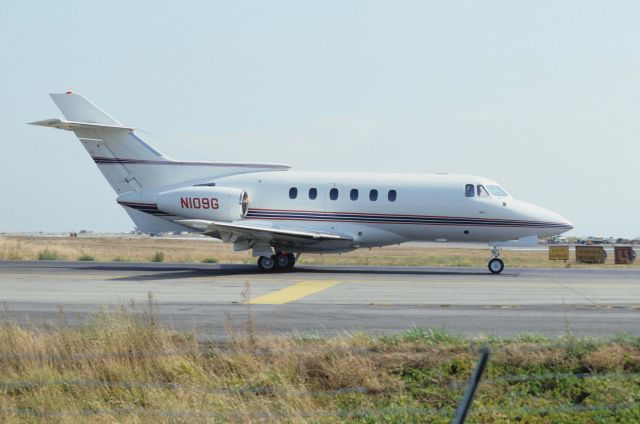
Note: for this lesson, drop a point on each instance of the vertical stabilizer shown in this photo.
(79, 109)
(114, 148)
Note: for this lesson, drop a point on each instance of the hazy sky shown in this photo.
(543, 96)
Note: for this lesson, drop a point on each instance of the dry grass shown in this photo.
(125, 366)
(159, 249)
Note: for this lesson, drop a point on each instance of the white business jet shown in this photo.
(279, 213)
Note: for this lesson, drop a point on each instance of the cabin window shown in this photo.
(313, 193)
(496, 191)
(469, 190)
(354, 194)
(482, 192)
(373, 195)
(333, 194)
(293, 193)
(392, 195)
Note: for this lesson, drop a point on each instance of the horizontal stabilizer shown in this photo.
(74, 125)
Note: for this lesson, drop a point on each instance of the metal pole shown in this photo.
(465, 404)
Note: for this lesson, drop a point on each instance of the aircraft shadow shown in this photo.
(188, 271)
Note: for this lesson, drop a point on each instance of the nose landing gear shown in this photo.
(496, 265)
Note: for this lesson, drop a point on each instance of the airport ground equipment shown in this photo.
(559, 253)
(591, 254)
(624, 255)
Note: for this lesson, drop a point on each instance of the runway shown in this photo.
(328, 301)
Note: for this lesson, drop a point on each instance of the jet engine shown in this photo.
(210, 203)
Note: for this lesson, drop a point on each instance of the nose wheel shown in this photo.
(496, 265)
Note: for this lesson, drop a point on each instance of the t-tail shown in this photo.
(129, 163)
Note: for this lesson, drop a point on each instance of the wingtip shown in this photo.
(44, 122)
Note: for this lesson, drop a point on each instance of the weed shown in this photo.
(428, 335)
(532, 338)
(209, 261)
(48, 255)
(158, 257)
(127, 360)
(86, 257)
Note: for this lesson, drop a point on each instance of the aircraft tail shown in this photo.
(124, 158)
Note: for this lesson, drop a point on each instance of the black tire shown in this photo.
(292, 261)
(282, 261)
(496, 265)
(266, 263)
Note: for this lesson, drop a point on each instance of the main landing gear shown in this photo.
(496, 265)
(278, 262)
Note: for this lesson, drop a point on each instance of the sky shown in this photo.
(542, 96)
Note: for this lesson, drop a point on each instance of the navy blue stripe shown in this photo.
(385, 216)
(400, 219)
(150, 208)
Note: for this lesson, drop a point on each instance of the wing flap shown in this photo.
(259, 232)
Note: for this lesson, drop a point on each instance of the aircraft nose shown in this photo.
(551, 222)
(555, 219)
(568, 224)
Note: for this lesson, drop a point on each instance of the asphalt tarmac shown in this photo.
(330, 301)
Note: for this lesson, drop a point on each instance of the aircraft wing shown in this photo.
(237, 231)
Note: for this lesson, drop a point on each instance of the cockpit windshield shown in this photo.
(496, 191)
(482, 192)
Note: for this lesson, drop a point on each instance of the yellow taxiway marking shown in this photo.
(294, 292)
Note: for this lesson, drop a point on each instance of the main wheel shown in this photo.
(282, 261)
(266, 263)
(285, 261)
(496, 265)
(292, 260)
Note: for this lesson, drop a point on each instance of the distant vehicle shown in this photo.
(600, 240)
(558, 240)
(279, 213)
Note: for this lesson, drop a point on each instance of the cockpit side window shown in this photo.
(469, 190)
(496, 191)
(482, 192)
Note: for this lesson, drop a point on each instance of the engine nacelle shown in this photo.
(210, 203)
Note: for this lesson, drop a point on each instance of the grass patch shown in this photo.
(125, 365)
(428, 336)
(86, 257)
(209, 261)
(158, 257)
(176, 250)
(49, 255)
